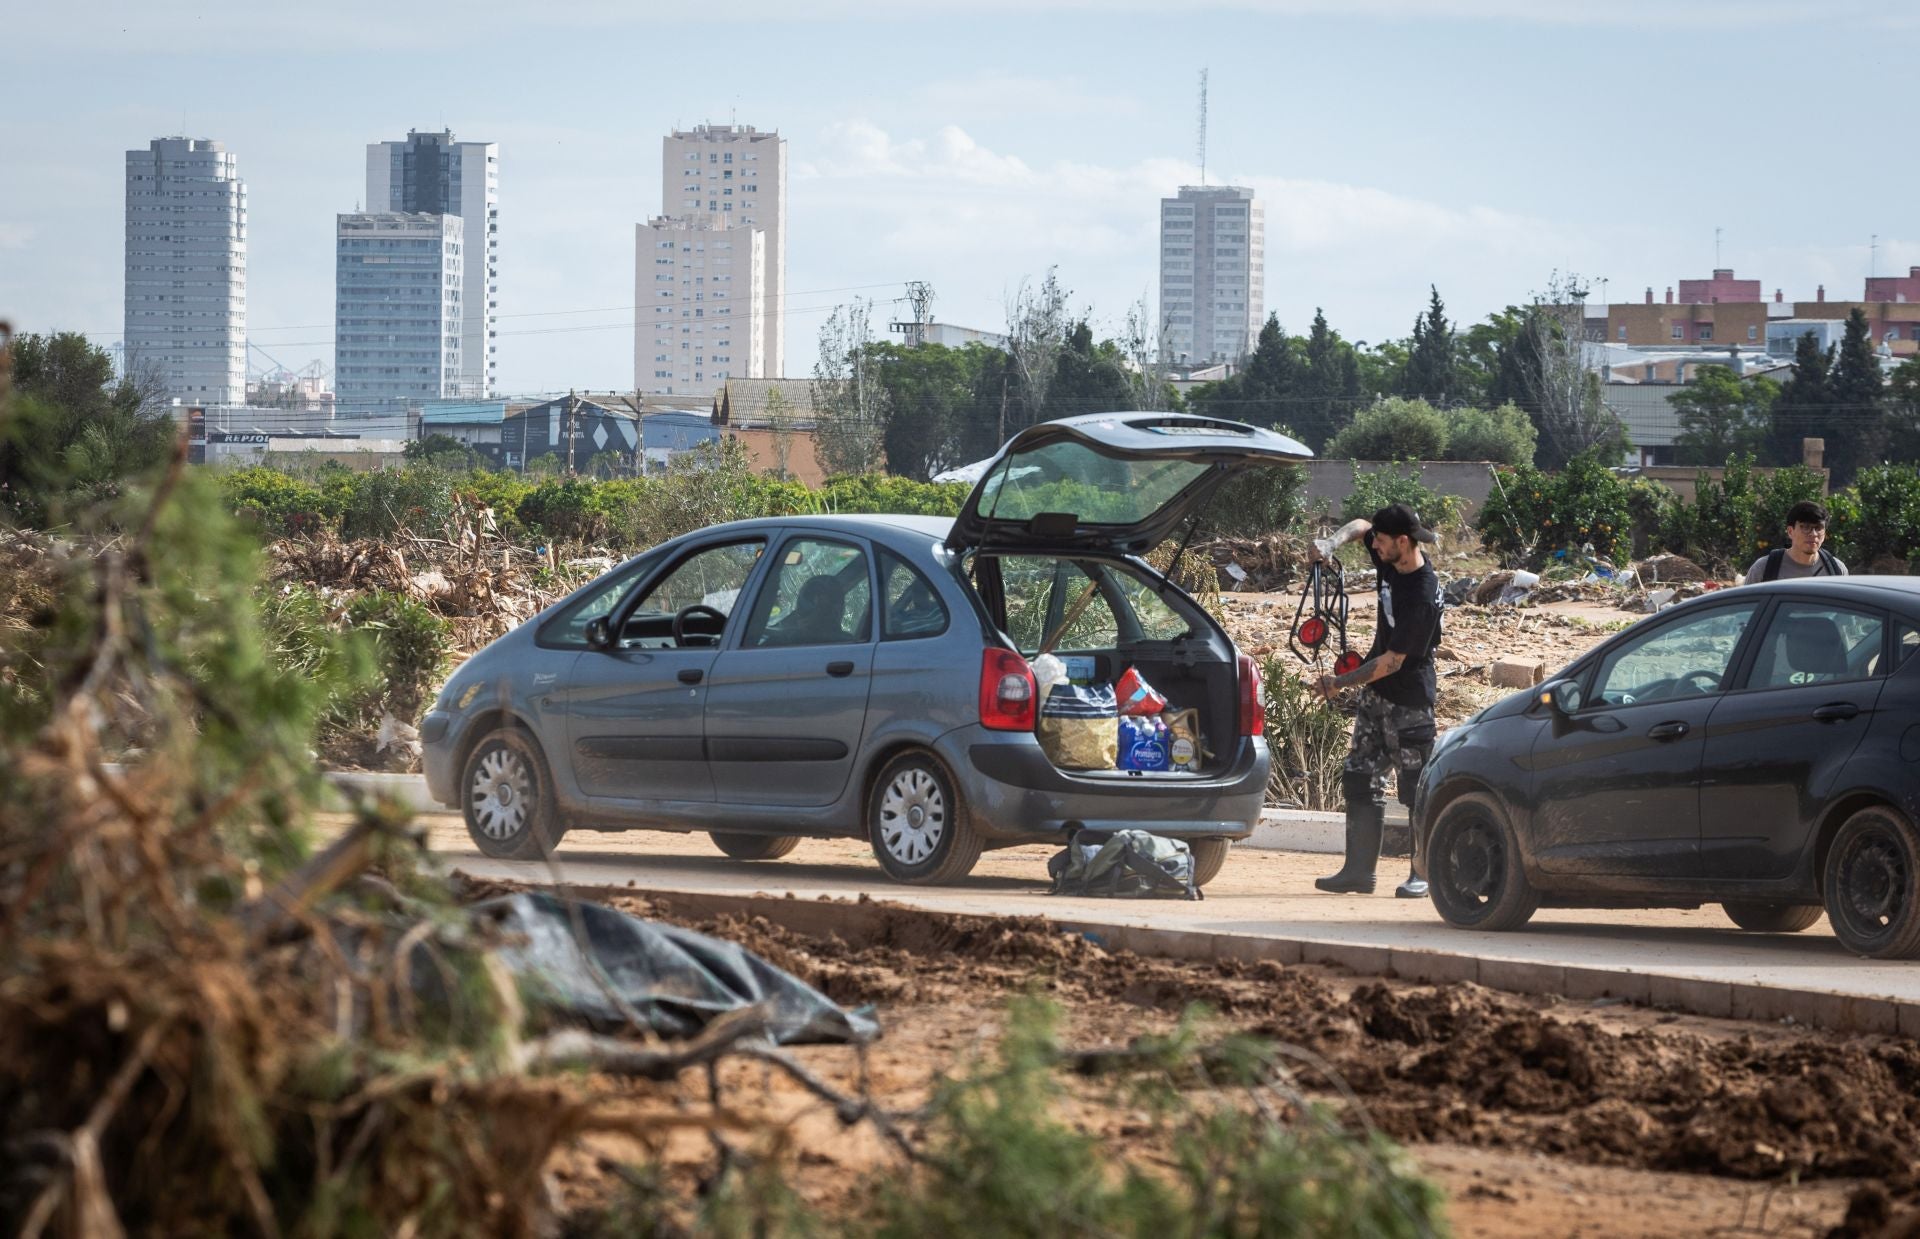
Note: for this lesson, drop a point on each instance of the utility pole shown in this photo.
(568, 429)
(1873, 255)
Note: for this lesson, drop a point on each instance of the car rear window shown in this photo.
(912, 607)
(1072, 477)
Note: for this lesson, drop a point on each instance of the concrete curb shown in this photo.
(1696, 996)
(1280, 830)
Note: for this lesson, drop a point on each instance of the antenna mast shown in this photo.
(1716, 247)
(1202, 143)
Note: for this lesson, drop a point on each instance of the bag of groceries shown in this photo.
(1078, 728)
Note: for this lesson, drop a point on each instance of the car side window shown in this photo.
(913, 607)
(1685, 658)
(1032, 582)
(568, 628)
(1906, 639)
(818, 594)
(1818, 643)
(712, 577)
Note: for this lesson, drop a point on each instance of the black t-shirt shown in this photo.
(1408, 624)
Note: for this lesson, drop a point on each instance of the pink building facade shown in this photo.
(1895, 288)
(1721, 288)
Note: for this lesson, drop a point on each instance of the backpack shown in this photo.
(1829, 566)
(1124, 864)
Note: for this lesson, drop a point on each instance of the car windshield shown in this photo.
(1069, 476)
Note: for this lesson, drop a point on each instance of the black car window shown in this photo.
(912, 605)
(1685, 658)
(1906, 639)
(1818, 643)
(818, 594)
(568, 627)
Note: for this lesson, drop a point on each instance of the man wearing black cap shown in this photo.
(1393, 729)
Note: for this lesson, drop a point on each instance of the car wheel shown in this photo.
(508, 798)
(1208, 857)
(1771, 918)
(753, 847)
(1473, 867)
(1872, 901)
(917, 824)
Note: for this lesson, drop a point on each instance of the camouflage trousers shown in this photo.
(1387, 738)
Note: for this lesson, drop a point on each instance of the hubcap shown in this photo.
(913, 817)
(502, 785)
(1874, 882)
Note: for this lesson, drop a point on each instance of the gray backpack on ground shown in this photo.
(1124, 864)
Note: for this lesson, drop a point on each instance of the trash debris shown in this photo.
(1125, 864)
(583, 963)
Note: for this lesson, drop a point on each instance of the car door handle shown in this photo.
(1836, 712)
(1667, 731)
(691, 675)
(844, 667)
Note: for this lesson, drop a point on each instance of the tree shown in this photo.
(1037, 325)
(1505, 435)
(849, 402)
(930, 391)
(1087, 377)
(443, 451)
(1329, 389)
(1722, 415)
(1858, 433)
(1903, 411)
(1804, 402)
(1562, 393)
(1264, 392)
(1392, 429)
(77, 432)
(1429, 370)
(1383, 366)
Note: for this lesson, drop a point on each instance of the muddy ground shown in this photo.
(1539, 1117)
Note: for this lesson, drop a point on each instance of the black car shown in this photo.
(1756, 747)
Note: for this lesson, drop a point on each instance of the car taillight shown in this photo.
(1007, 692)
(1253, 708)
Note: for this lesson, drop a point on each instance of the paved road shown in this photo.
(1259, 894)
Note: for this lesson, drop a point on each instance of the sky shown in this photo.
(1478, 146)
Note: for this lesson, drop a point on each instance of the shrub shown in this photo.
(1649, 505)
(277, 503)
(1505, 435)
(1393, 484)
(1306, 736)
(1529, 514)
(410, 645)
(381, 502)
(564, 510)
(1883, 520)
(1734, 520)
(1391, 429)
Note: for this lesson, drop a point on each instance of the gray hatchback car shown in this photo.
(770, 680)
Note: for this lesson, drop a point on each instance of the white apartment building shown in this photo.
(432, 174)
(398, 300)
(698, 295)
(186, 270)
(739, 174)
(1213, 291)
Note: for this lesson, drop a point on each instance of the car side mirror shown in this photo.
(1563, 697)
(599, 634)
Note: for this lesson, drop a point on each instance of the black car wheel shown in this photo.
(1473, 867)
(917, 824)
(1771, 918)
(753, 847)
(1872, 902)
(1208, 857)
(507, 798)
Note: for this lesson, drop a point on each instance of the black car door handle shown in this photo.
(840, 668)
(1667, 731)
(1836, 712)
(691, 675)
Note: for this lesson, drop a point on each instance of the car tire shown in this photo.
(1873, 901)
(1209, 856)
(507, 798)
(753, 847)
(1759, 917)
(1474, 874)
(917, 823)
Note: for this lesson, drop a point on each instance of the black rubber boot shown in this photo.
(1364, 823)
(1415, 887)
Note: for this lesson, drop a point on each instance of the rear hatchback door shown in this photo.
(1119, 482)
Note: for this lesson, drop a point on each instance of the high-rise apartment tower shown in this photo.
(739, 174)
(698, 294)
(1213, 241)
(186, 278)
(398, 325)
(430, 173)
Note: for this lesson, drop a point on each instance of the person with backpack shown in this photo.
(1393, 729)
(1804, 554)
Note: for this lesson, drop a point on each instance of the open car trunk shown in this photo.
(1107, 616)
